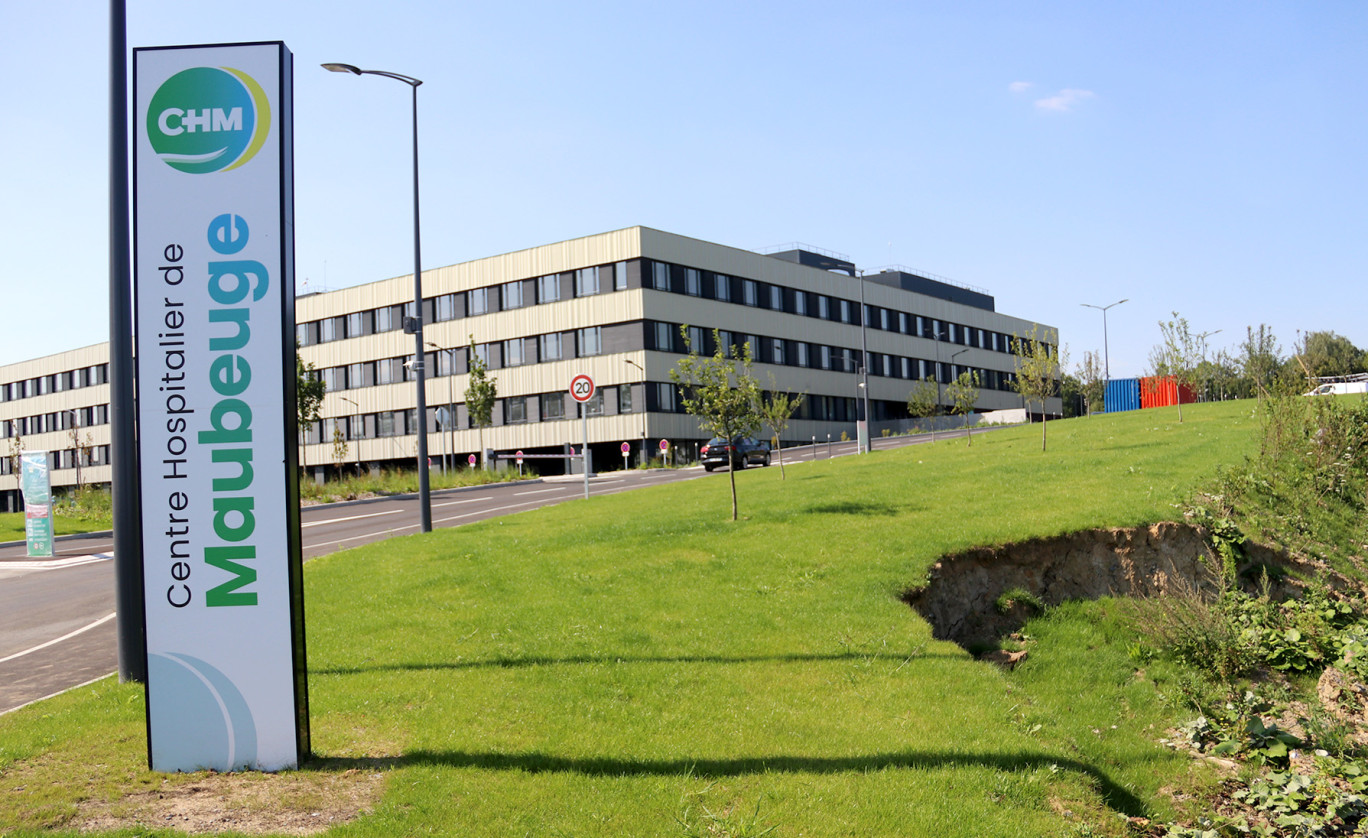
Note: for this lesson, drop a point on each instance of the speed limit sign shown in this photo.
(582, 388)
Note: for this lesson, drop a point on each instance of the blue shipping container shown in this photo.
(1122, 394)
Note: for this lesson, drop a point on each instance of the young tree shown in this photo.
(720, 391)
(480, 393)
(16, 460)
(1179, 356)
(921, 401)
(775, 409)
(1037, 365)
(962, 393)
(309, 390)
(1260, 359)
(1093, 382)
(339, 447)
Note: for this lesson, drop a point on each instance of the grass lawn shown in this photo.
(12, 525)
(637, 664)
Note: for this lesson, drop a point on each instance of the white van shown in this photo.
(1340, 388)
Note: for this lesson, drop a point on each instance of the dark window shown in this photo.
(548, 288)
(552, 406)
(660, 276)
(586, 282)
(590, 341)
(477, 300)
(749, 292)
(551, 346)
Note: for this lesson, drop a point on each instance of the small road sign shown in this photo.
(581, 388)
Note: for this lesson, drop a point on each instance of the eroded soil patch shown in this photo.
(961, 597)
(293, 803)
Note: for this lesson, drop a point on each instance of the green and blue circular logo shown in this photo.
(208, 119)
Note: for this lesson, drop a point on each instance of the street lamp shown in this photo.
(1106, 355)
(450, 439)
(866, 444)
(413, 325)
(630, 362)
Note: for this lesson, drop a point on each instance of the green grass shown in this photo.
(637, 664)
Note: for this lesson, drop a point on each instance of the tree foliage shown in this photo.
(776, 408)
(962, 393)
(1092, 382)
(922, 400)
(720, 391)
(1178, 355)
(1037, 368)
(1328, 354)
(309, 391)
(339, 448)
(480, 393)
(1260, 359)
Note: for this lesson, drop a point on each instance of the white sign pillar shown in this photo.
(214, 297)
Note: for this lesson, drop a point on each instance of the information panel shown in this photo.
(214, 277)
(36, 486)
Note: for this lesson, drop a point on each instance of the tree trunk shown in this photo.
(731, 473)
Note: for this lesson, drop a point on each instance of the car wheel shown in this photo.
(767, 461)
(709, 468)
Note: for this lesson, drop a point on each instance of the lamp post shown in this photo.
(449, 441)
(1106, 355)
(866, 441)
(630, 362)
(413, 325)
(939, 336)
(353, 432)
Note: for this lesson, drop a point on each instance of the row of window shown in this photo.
(666, 337)
(511, 410)
(55, 383)
(713, 286)
(95, 455)
(62, 420)
(585, 282)
(555, 346)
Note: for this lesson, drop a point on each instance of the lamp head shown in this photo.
(342, 68)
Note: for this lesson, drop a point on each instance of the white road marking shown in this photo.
(349, 518)
(106, 618)
(57, 564)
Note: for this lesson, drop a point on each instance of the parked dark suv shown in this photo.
(739, 453)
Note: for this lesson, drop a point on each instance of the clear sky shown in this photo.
(1206, 158)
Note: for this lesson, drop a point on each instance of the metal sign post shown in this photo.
(582, 390)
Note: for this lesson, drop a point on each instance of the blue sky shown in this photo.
(1206, 158)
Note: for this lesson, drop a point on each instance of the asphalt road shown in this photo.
(57, 627)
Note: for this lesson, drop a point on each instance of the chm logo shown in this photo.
(208, 119)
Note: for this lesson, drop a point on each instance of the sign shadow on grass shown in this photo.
(1115, 795)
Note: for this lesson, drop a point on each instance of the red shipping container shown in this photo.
(1157, 391)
